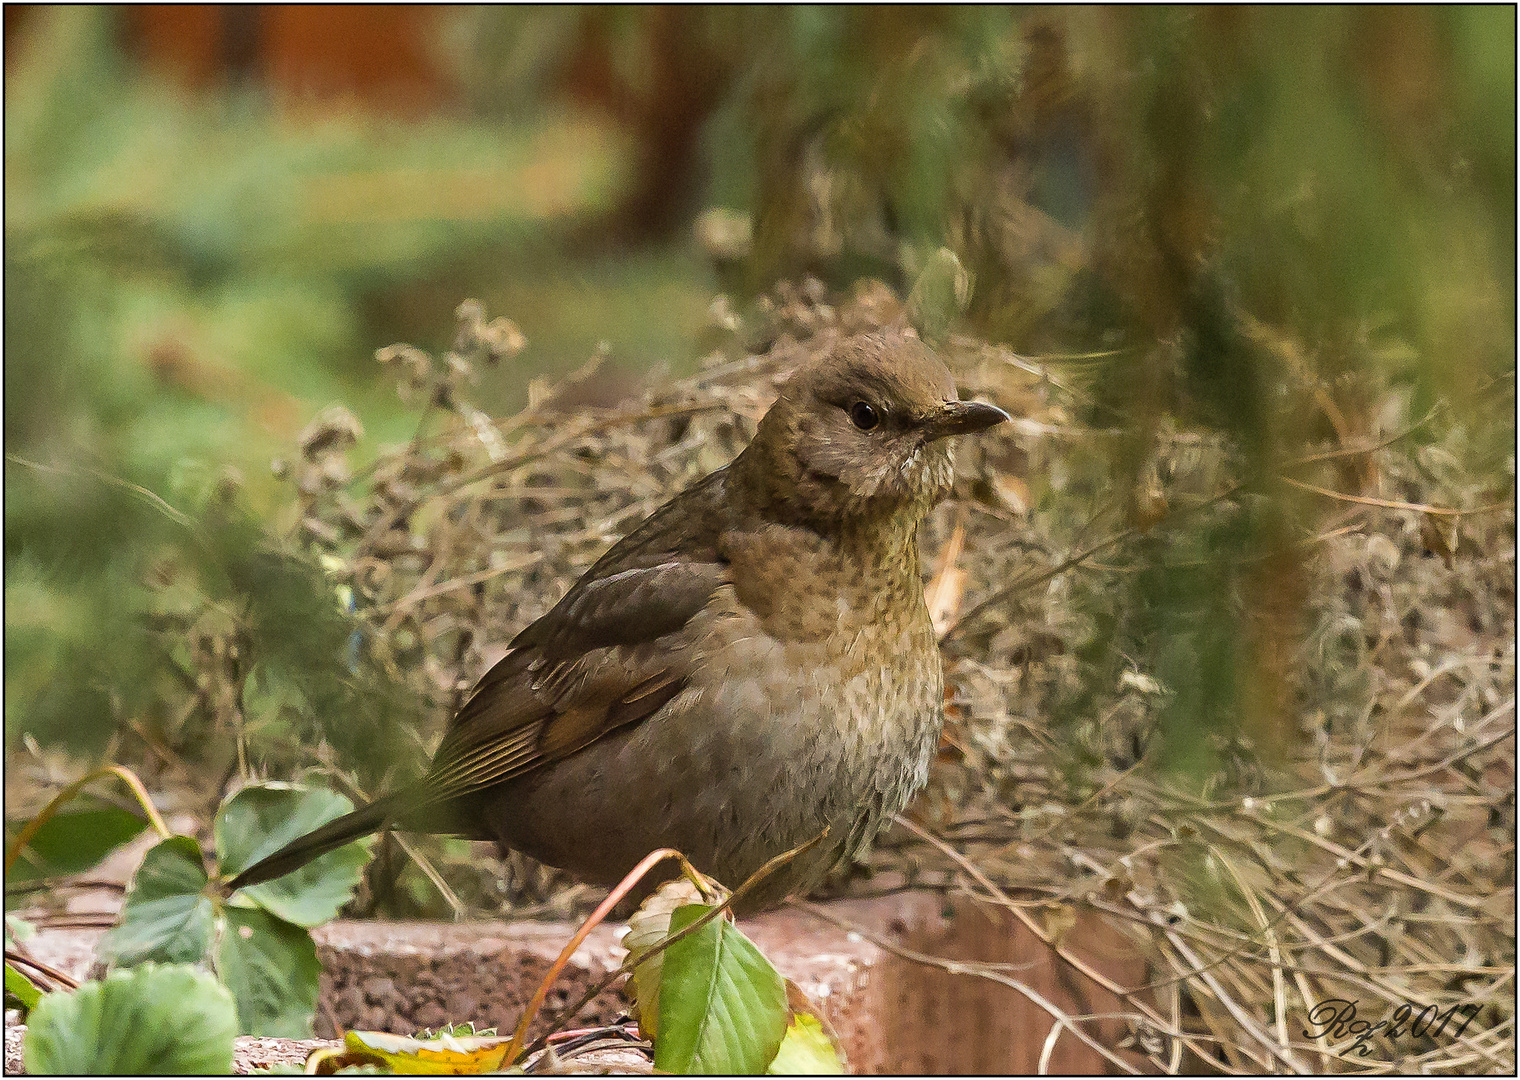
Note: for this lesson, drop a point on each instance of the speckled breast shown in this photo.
(771, 740)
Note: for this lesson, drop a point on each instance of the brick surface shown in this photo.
(892, 1015)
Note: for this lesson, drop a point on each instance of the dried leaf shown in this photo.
(651, 923)
(1438, 532)
(948, 585)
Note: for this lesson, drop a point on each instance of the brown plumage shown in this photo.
(751, 664)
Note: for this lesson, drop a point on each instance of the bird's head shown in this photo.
(862, 433)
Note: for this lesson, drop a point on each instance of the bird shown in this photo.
(751, 667)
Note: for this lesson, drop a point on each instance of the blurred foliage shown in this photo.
(209, 255)
(1111, 176)
(184, 277)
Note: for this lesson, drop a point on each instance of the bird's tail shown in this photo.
(296, 854)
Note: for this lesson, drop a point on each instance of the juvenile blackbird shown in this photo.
(753, 663)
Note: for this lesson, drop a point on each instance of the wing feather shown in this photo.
(614, 651)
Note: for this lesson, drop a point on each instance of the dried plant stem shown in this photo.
(1391, 504)
(982, 971)
(125, 775)
(151, 498)
(21, 959)
(1038, 931)
(425, 865)
(1279, 985)
(664, 943)
(622, 889)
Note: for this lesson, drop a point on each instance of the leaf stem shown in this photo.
(622, 889)
(121, 772)
(664, 943)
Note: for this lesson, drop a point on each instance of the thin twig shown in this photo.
(125, 775)
(151, 498)
(1038, 931)
(22, 959)
(981, 971)
(770, 867)
(623, 888)
(1391, 504)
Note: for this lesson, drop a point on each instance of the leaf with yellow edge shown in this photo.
(806, 1050)
(446, 1055)
(648, 926)
(811, 1045)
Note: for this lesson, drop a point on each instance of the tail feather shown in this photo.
(346, 829)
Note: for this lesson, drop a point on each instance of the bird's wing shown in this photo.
(610, 653)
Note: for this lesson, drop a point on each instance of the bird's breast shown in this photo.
(775, 736)
(841, 719)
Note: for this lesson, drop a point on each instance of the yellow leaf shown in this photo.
(806, 1050)
(1060, 920)
(446, 1055)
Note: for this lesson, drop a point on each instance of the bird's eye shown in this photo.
(864, 416)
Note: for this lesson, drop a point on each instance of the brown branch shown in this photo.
(1391, 504)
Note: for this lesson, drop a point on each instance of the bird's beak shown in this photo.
(962, 418)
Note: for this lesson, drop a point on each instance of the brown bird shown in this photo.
(750, 665)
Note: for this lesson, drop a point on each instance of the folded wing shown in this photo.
(610, 654)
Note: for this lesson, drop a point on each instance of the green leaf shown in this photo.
(465, 1029)
(807, 1050)
(941, 293)
(271, 968)
(19, 990)
(72, 841)
(166, 916)
(649, 924)
(167, 1020)
(261, 819)
(722, 1005)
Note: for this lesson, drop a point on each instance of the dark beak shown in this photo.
(962, 418)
